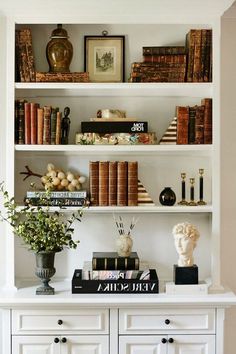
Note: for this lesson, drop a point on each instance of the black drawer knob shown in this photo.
(56, 340)
(64, 340)
(163, 340)
(171, 340)
(60, 322)
(167, 321)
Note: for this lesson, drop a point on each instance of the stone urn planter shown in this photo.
(124, 245)
(45, 270)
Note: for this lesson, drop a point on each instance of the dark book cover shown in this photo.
(122, 183)
(117, 286)
(199, 125)
(207, 102)
(163, 50)
(207, 71)
(114, 127)
(197, 57)
(182, 124)
(56, 201)
(21, 122)
(191, 125)
(132, 183)
(17, 102)
(190, 42)
(94, 182)
(53, 123)
(111, 261)
(103, 182)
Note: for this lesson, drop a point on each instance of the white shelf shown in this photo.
(140, 209)
(185, 89)
(203, 150)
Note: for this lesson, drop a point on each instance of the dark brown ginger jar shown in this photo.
(59, 51)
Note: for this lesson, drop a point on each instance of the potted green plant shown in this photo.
(44, 231)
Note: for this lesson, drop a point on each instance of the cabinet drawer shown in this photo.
(82, 321)
(148, 321)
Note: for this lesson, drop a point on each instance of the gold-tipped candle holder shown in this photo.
(201, 201)
(183, 190)
(192, 202)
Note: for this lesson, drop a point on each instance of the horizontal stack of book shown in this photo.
(36, 125)
(57, 198)
(113, 274)
(191, 63)
(199, 52)
(160, 64)
(116, 130)
(194, 124)
(113, 183)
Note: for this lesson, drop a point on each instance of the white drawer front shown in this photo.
(87, 321)
(148, 321)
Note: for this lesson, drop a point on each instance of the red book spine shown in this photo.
(103, 182)
(132, 183)
(27, 124)
(182, 125)
(112, 183)
(33, 122)
(93, 182)
(40, 126)
(58, 129)
(122, 183)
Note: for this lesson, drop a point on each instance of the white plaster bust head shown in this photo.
(186, 236)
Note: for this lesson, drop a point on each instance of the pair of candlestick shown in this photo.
(192, 182)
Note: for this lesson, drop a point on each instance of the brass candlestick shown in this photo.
(201, 201)
(192, 202)
(183, 192)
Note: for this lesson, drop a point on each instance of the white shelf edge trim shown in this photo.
(116, 89)
(116, 148)
(140, 209)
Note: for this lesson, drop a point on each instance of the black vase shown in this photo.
(167, 197)
(45, 270)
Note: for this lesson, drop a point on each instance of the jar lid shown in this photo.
(59, 32)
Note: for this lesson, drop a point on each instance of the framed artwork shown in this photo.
(104, 58)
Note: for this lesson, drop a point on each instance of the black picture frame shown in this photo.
(104, 58)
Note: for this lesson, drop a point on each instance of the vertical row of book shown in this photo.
(36, 125)
(194, 124)
(113, 183)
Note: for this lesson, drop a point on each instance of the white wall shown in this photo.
(228, 169)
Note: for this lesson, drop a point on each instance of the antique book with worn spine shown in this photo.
(53, 124)
(190, 41)
(33, 122)
(24, 55)
(197, 74)
(163, 50)
(62, 77)
(27, 124)
(199, 125)
(191, 125)
(112, 193)
(182, 124)
(21, 122)
(40, 126)
(122, 182)
(58, 129)
(207, 102)
(103, 182)
(46, 125)
(94, 182)
(132, 183)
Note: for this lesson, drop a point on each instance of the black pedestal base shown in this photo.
(186, 275)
